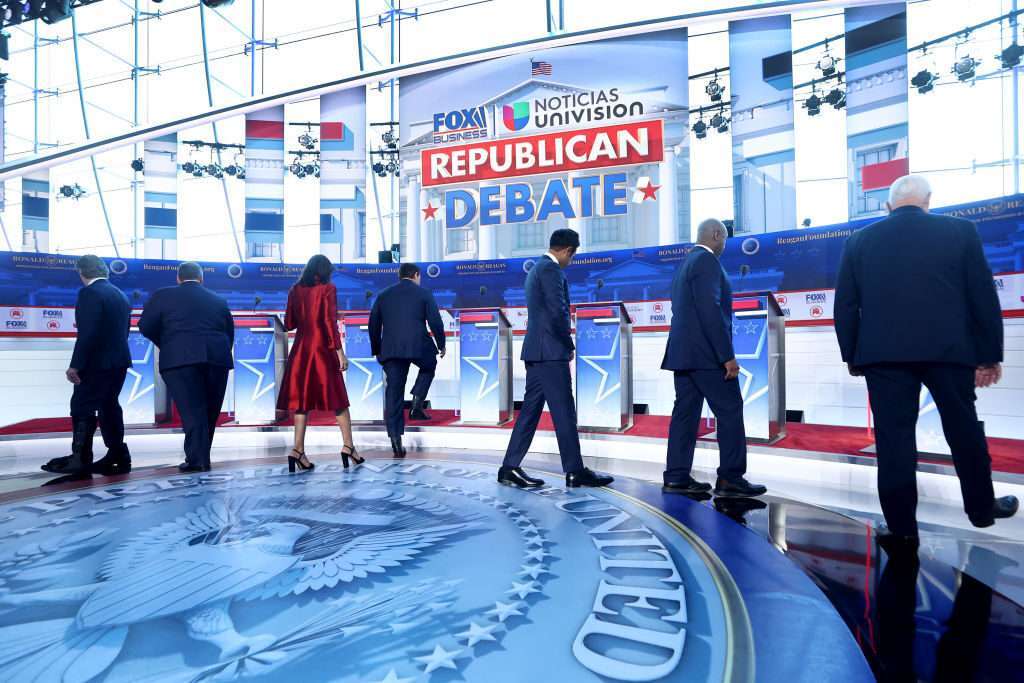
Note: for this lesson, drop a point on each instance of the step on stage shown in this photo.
(428, 570)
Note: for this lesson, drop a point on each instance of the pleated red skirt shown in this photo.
(312, 380)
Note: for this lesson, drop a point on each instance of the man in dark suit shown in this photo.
(195, 332)
(547, 350)
(99, 363)
(916, 304)
(398, 338)
(700, 355)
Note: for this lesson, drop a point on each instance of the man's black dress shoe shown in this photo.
(186, 468)
(416, 411)
(116, 461)
(396, 447)
(515, 476)
(684, 486)
(587, 477)
(738, 488)
(1002, 507)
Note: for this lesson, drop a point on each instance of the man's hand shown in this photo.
(441, 353)
(732, 369)
(572, 356)
(72, 375)
(987, 375)
(343, 360)
(854, 370)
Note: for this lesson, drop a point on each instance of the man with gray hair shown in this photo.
(194, 331)
(916, 306)
(700, 355)
(99, 363)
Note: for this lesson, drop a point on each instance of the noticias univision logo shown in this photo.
(515, 116)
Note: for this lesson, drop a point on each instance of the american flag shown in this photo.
(540, 68)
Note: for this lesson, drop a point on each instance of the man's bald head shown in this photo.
(910, 190)
(713, 234)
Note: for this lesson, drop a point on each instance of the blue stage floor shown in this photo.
(428, 570)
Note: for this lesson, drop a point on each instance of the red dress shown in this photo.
(312, 377)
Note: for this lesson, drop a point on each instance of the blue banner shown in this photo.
(599, 357)
(255, 379)
(138, 395)
(480, 368)
(365, 376)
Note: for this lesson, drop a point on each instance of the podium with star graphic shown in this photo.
(143, 397)
(485, 366)
(365, 376)
(604, 367)
(260, 355)
(759, 340)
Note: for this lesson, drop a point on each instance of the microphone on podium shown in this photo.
(257, 300)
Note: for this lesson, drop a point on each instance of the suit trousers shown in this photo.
(396, 373)
(895, 390)
(198, 391)
(550, 382)
(98, 393)
(726, 402)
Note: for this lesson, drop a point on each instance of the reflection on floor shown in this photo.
(427, 570)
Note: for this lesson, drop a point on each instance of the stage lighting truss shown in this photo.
(14, 12)
(75, 191)
(720, 117)
(213, 167)
(390, 136)
(305, 164)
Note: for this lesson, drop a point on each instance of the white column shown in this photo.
(668, 212)
(413, 220)
(577, 223)
(487, 243)
(428, 229)
(349, 236)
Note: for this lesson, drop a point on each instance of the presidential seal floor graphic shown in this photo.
(394, 572)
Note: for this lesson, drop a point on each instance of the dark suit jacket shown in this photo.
(191, 325)
(103, 317)
(915, 287)
(701, 334)
(548, 329)
(398, 323)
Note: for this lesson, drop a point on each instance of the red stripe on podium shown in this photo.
(747, 305)
(357, 321)
(476, 317)
(595, 313)
(251, 322)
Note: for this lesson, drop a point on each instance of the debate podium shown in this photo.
(364, 378)
(485, 366)
(260, 354)
(144, 399)
(604, 367)
(759, 340)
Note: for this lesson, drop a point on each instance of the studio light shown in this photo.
(217, 3)
(72, 191)
(197, 171)
(138, 165)
(188, 167)
(52, 11)
(700, 129)
(719, 122)
(813, 105)
(378, 168)
(1010, 57)
(309, 169)
(215, 170)
(308, 141)
(966, 68)
(827, 65)
(231, 170)
(714, 90)
(924, 81)
(296, 168)
(836, 97)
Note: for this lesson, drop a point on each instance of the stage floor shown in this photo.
(427, 570)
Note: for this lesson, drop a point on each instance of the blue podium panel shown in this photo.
(758, 338)
(365, 377)
(930, 437)
(140, 396)
(604, 397)
(259, 362)
(485, 369)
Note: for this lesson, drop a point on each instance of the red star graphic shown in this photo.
(429, 211)
(649, 191)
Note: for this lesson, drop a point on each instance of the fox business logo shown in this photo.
(815, 298)
(52, 313)
(999, 283)
(17, 324)
(460, 125)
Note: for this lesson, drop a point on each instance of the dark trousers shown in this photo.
(726, 402)
(98, 394)
(550, 382)
(396, 372)
(198, 391)
(895, 390)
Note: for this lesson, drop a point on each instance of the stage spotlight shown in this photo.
(389, 136)
(241, 173)
(966, 68)
(217, 3)
(197, 171)
(714, 89)
(1010, 57)
(72, 191)
(836, 97)
(188, 167)
(700, 129)
(378, 168)
(308, 141)
(231, 170)
(813, 105)
(5, 46)
(827, 65)
(309, 169)
(138, 165)
(52, 11)
(723, 126)
(924, 81)
(392, 167)
(296, 167)
(215, 170)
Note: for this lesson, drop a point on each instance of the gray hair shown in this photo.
(910, 190)
(190, 270)
(708, 227)
(91, 267)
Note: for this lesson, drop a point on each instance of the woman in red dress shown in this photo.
(312, 377)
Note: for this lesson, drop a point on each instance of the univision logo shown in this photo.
(516, 115)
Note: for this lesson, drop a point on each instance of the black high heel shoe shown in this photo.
(352, 453)
(299, 462)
